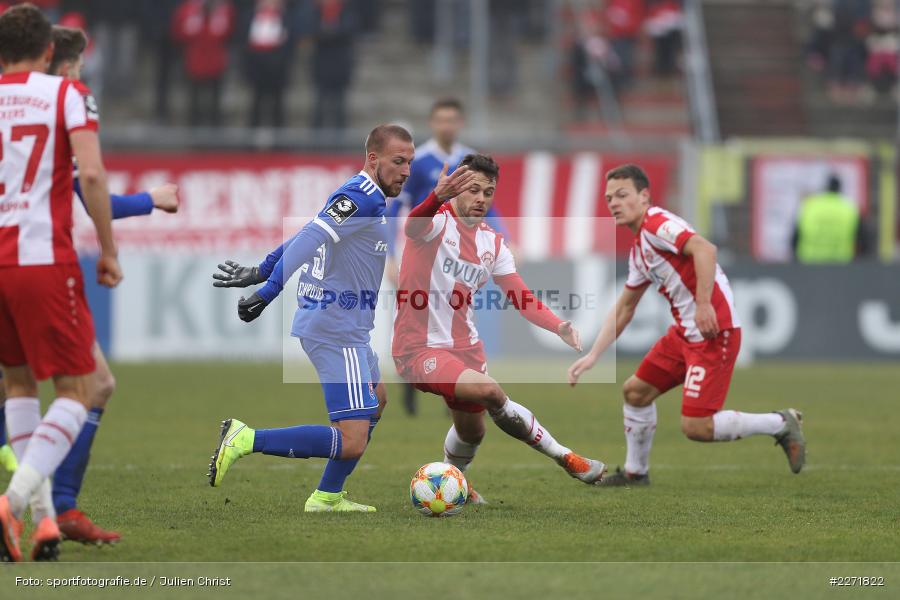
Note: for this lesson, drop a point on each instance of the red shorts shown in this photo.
(45, 321)
(704, 368)
(436, 370)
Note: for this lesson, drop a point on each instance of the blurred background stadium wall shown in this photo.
(739, 110)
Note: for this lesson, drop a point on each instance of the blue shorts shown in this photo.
(348, 377)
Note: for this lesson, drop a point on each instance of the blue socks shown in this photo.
(70, 473)
(302, 441)
(305, 441)
(337, 471)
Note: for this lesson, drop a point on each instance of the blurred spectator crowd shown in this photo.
(175, 61)
(606, 35)
(854, 45)
(198, 43)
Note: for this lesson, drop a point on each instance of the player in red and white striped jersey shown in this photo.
(699, 350)
(450, 253)
(46, 329)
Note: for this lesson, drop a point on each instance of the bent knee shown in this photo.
(698, 430)
(637, 393)
(492, 395)
(106, 386)
(352, 448)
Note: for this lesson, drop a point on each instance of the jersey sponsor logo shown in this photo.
(380, 246)
(487, 259)
(669, 231)
(430, 364)
(465, 272)
(341, 209)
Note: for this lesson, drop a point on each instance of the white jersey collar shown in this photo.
(369, 179)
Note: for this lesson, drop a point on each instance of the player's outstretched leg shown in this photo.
(784, 426)
(728, 425)
(518, 422)
(237, 440)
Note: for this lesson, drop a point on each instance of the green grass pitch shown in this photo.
(729, 503)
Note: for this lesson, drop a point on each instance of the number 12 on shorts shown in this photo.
(693, 379)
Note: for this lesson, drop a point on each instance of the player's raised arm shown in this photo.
(163, 197)
(704, 254)
(613, 326)
(447, 188)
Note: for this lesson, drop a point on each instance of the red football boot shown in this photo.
(76, 526)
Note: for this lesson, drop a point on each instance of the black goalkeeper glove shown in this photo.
(250, 308)
(236, 275)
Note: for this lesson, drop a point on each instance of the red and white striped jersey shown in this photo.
(656, 258)
(37, 114)
(438, 273)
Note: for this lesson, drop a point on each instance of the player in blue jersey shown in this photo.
(446, 120)
(69, 44)
(340, 255)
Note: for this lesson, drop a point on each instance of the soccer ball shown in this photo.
(438, 490)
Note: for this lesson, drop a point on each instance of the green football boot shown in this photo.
(8, 457)
(791, 439)
(334, 502)
(235, 441)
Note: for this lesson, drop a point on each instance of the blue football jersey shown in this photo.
(337, 292)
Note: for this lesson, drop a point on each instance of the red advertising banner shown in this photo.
(237, 201)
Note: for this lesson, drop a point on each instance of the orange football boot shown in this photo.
(584, 469)
(12, 531)
(46, 539)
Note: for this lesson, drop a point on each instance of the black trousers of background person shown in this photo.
(205, 99)
(268, 101)
(330, 110)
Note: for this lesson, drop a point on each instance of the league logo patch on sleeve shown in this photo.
(669, 231)
(341, 209)
(90, 106)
